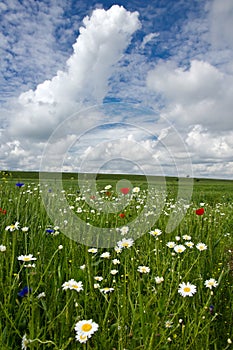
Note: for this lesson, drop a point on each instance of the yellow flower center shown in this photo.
(26, 259)
(74, 286)
(86, 327)
(187, 289)
(83, 337)
(125, 244)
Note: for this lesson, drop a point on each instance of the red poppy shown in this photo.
(125, 190)
(108, 193)
(200, 211)
(122, 215)
(3, 211)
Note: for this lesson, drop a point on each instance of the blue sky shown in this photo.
(167, 65)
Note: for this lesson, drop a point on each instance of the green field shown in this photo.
(161, 290)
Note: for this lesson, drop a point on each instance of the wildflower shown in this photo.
(105, 255)
(108, 187)
(96, 285)
(124, 230)
(60, 247)
(93, 250)
(25, 342)
(2, 248)
(168, 324)
(211, 309)
(189, 244)
(24, 229)
(211, 283)
(125, 190)
(122, 215)
(26, 258)
(86, 328)
(49, 230)
(201, 246)
(115, 261)
(170, 244)
(200, 211)
(186, 237)
(98, 278)
(125, 243)
(114, 272)
(13, 227)
(41, 295)
(19, 184)
(143, 269)
(159, 280)
(23, 292)
(187, 289)
(229, 341)
(72, 284)
(82, 267)
(82, 338)
(179, 248)
(155, 232)
(107, 290)
(118, 250)
(3, 211)
(136, 189)
(177, 238)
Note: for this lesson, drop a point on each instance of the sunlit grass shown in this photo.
(132, 294)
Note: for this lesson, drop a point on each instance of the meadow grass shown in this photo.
(144, 310)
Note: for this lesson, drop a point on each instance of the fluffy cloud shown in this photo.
(221, 19)
(103, 38)
(199, 103)
(200, 94)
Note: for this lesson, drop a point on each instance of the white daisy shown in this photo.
(186, 237)
(187, 289)
(72, 284)
(159, 280)
(106, 290)
(13, 227)
(155, 232)
(92, 250)
(170, 244)
(86, 328)
(136, 189)
(143, 269)
(26, 258)
(201, 246)
(179, 248)
(82, 338)
(211, 283)
(105, 255)
(2, 248)
(124, 230)
(189, 244)
(125, 243)
(116, 261)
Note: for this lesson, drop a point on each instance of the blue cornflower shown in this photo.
(211, 308)
(19, 184)
(23, 292)
(49, 230)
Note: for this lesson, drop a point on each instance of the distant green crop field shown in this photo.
(92, 264)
